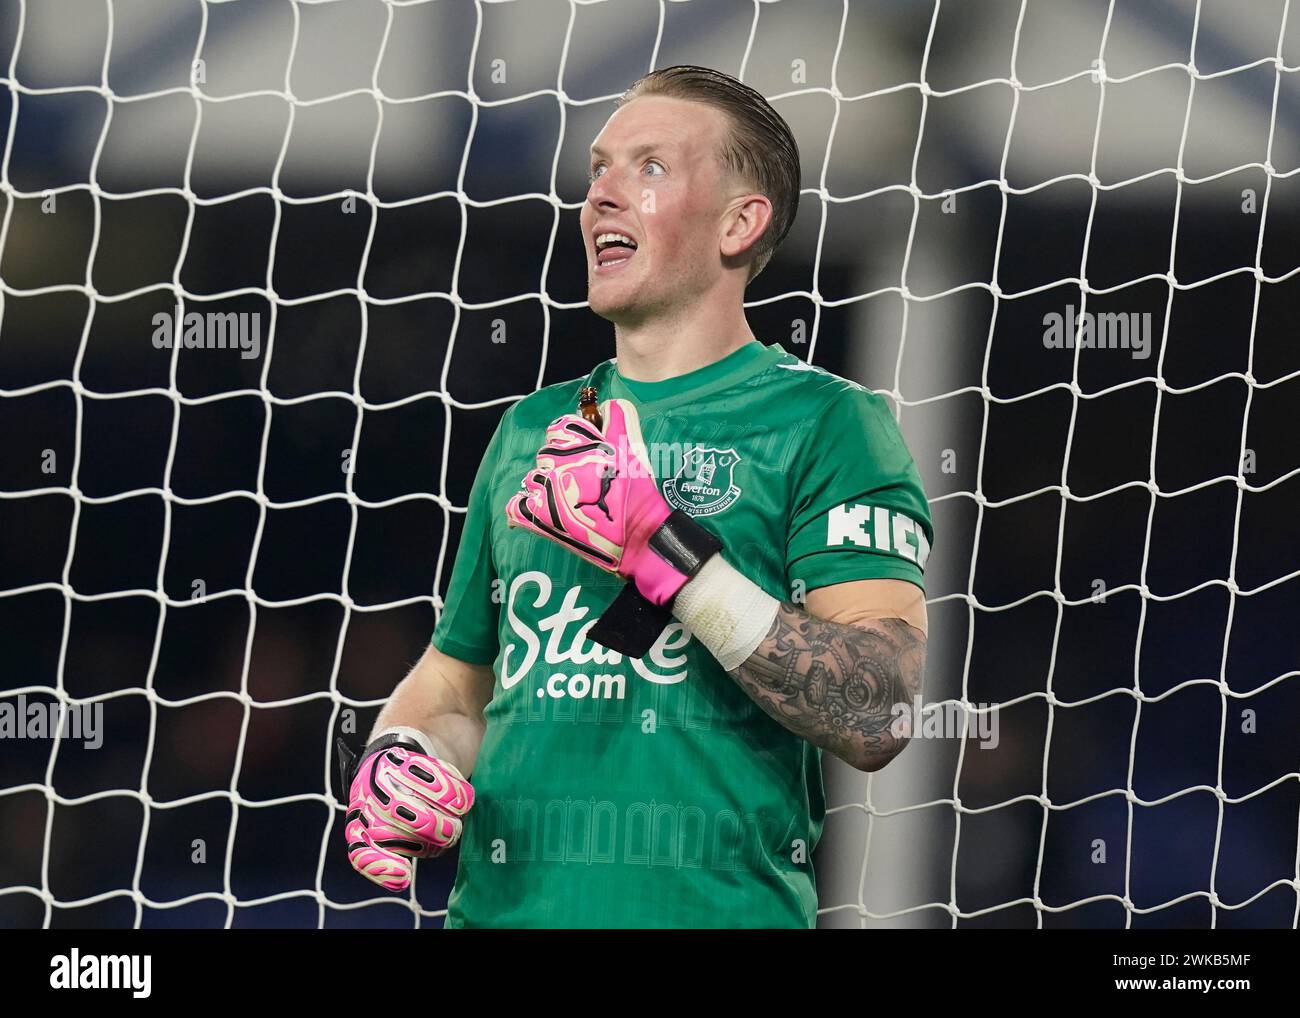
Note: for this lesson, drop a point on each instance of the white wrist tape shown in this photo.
(727, 612)
(414, 734)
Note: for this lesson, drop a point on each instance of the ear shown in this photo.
(745, 221)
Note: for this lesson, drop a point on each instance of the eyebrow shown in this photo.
(640, 150)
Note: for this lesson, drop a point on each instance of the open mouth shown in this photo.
(613, 251)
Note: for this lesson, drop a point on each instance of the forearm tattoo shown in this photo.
(834, 683)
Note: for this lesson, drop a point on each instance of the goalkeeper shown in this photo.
(770, 506)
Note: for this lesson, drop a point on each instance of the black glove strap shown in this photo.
(683, 543)
(350, 761)
(632, 622)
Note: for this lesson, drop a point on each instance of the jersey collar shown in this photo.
(735, 366)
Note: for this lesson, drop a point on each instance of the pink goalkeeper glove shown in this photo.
(403, 805)
(596, 495)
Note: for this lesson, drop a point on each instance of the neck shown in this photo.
(670, 346)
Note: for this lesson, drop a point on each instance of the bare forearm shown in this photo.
(836, 684)
(423, 702)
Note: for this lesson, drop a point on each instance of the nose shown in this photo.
(605, 193)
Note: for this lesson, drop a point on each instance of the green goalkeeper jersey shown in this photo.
(654, 792)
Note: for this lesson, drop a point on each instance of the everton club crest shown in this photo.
(704, 485)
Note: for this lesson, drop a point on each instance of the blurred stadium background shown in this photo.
(1127, 157)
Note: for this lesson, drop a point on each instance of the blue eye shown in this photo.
(655, 163)
(595, 172)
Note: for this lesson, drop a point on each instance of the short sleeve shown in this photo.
(858, 510)
(467, 628)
